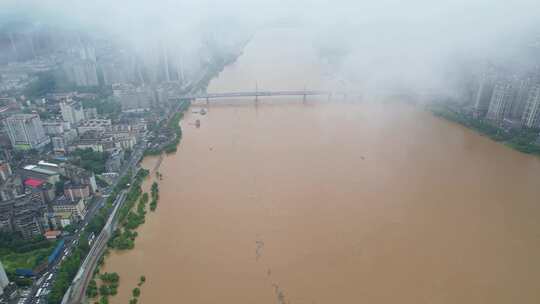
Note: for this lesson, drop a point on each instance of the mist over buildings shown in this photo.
(391, 44)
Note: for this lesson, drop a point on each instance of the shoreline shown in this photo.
(180, 252)
(522, 140)
(174, 121)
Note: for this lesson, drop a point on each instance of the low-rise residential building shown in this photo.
(95, 144)
(76, 207)
(80, 176)
(62, 219)
(74, 191)
(97, 141)
(124, 135)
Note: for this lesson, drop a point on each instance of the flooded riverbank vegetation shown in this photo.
(129, 219)
(522, 139)
(68, 269)
(155, 196)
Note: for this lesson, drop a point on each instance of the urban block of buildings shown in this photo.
(30, 204)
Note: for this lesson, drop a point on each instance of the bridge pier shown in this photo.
(304, 98)
(207, 101)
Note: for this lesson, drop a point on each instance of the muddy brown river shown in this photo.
(341, 201)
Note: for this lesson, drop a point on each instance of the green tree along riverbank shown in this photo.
(68, 269)
(523, 140)
(128, 219)
(174, 126)
(155, 196)
(131, 215)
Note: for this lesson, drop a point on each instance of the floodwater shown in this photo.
(345, 201)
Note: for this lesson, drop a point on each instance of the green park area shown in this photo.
(16, 252)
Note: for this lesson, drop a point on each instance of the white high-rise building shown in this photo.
(501, 101)
(4, 281)
(531, 115)
(26, 132)
(483, 96)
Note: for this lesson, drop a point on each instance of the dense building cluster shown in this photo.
(43, 186)
(73, 107)
(75, 128)
(31, 201)
(77, 113)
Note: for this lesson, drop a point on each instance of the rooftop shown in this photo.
(39, 170)
(22, 116)
(96, 123)
(52, 233)
(44, 163)
(33, 182)
(62, 200)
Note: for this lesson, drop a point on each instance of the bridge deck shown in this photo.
(255, 94)
(303, 93)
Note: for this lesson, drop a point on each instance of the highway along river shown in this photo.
(333, 201)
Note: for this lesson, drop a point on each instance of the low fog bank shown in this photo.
(418, 45)
(427, 46)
